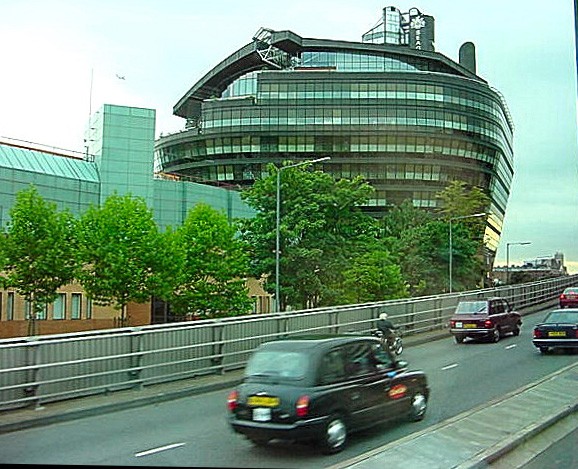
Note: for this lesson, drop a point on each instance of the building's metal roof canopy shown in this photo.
(253, 57)
(36, 161)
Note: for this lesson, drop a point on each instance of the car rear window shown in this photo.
(571, 291)
(472, 307)
(277, 364)
(566, 317)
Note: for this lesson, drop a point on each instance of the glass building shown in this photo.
(119, 158)
(389, 108)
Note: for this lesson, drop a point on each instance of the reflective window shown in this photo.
(75, 312)
(88, 308)
(59, 307)
(10, 306)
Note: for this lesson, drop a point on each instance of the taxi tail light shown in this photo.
(302, 406)
(562, 296)
(576, 333)
(232, 400)
(488, 324)
(537, 334)
(452, 323)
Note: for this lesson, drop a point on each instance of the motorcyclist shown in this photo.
(387, 328)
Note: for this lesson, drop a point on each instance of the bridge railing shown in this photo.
(42, 369)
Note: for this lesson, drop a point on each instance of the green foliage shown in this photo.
(402, 218)
(373, 276)
(38, 250)
(457, 200)
(331, 252)
(124, 258)
(420, 241)
(212, 282)
(322, 231)
(428, 258)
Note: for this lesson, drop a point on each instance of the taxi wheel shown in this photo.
(496, 335)
(418, 407)
(335, 435)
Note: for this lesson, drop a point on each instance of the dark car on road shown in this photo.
(569, 298)
(488, 319)
(559, 329)
(320, 388)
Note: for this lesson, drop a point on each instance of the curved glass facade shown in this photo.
(408, 123)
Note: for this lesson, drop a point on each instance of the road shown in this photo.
(193, 431)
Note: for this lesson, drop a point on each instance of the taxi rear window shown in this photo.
(564, 317)
(277, 364)
(472, 307)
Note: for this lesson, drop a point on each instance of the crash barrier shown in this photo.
(42, 369)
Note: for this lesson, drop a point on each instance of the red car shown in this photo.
(484, 319)
(569, 298)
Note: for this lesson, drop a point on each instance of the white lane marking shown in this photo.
(511, 346)
(158, 450)
(449, 367)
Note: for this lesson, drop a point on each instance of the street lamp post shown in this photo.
(523, 243)
(451, 245)
(278, 222)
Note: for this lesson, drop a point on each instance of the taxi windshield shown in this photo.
(277, 364)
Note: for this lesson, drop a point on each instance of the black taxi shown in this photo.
(321, 388)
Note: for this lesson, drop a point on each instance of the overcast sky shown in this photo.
(52, 51)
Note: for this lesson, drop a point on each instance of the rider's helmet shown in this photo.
(383, 316)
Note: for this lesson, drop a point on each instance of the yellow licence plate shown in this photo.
(556, 334)
(263, 401)
(469, 326)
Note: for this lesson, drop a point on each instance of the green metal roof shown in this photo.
(36, 161)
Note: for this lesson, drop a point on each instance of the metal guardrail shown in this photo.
(42, 369)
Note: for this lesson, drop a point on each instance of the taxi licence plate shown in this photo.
(556, 334)
(469, 326)
(263, 401)
(261, 414)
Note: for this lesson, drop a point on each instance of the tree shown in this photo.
(213, 278)
(123, 257)
(403, 217)
(374, 276)
(321, 227)
(38, 251)
(420, 243)
(460, 201)
(457, 200)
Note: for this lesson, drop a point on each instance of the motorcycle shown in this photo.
(394, 344)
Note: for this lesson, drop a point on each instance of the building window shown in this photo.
(10, 307)
(88, 308)
(41, 309)
(59, 307)
(76, 308)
